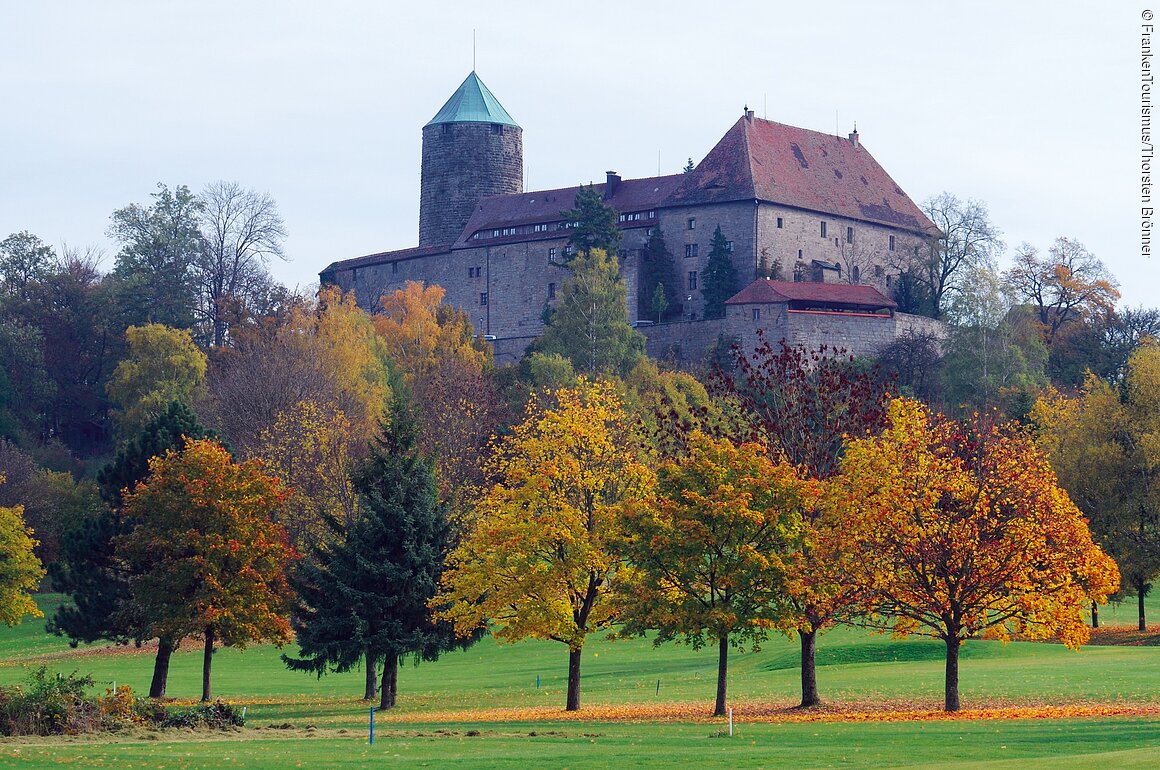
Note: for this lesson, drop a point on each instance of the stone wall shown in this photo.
(685, 344)
(463, 163)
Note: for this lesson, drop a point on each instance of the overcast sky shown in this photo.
(1031, 107)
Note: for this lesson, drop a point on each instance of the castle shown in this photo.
(794, 202)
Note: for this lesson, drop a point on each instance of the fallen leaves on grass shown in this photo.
(772, 713)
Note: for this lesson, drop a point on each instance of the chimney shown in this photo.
(748, 113)
(611, 183)
(854, 136)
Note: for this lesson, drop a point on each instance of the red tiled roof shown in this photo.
(387, 256)
(764, 160)
(764, 291)
(630, 195)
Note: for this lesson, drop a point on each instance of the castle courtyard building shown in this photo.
(800, 205)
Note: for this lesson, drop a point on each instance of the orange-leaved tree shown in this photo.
(537, 559)
(213, 559)
(711, 554)
(960, 530)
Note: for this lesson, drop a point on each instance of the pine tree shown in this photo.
(364, 595)
(90, 570)
(720, 277)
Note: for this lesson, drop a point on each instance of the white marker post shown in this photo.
(730, 722)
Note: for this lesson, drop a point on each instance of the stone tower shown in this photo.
(471, 149)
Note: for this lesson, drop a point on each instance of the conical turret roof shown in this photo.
(472, 102)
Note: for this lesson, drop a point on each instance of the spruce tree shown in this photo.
(91, 571)
(657, 269)
(592, 225)
(720, 277)
(363, 598)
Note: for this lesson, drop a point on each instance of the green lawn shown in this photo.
(855, 667)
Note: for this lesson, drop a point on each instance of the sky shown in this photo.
(1031, 107)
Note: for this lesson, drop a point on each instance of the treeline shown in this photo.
(227, 460)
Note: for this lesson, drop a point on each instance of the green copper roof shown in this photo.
(473, 103)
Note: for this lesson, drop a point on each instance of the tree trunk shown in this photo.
(722, 674)
(951, 701)
(809, 670)
(207, 663)
(372, 683)
(573, 680)
(165, 647)
(1141, 591)
(390, 681)
(1095, 615)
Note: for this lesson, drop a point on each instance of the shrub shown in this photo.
(218, 715)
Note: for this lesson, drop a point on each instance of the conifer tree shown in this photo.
(658, 279)
(364, 595)
(592, 224)
(720, 277)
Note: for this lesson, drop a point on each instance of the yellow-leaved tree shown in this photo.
(959, 531)
(537, 560)
(20, 570)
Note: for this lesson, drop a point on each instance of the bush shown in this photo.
(218, 715)
(52, 704)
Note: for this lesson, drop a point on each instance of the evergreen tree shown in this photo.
(90, 570)
(592, 225)
(364, 595)
(590, 325)
(658, 273)
(720, 277)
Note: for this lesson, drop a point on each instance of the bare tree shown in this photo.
(242, 230)
(1069, 284)
(967, 239)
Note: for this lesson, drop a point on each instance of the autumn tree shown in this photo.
(589, 325)
(327, 353)
(1068, 284)
(164, 365)
(91, 571)
(537, 561)
(719, 280)
(1103, 444)
(417, 330)
(803, 405)
(592, 225)
(364, 597)
(213, 559)
(959, 531)
(312, 448)
(711, 551)
(241, 230)
(20, 570)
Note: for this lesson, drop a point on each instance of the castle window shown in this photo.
(892, 243)
(692, 280)
(879, 271)
(551, 291)
(856, 274)
(552, 254)
(495, 233)
(446, 128)
(690, 249)
(482, 298)
(652, 215)
(692, 223)
(539, 228)
(799, 253)
(780, 223)
(849, 235)
(823, 228)
(729, 246)
(756, 314)
(496, 128)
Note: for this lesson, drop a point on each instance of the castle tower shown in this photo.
(471, 149)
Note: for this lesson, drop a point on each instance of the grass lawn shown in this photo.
(327, 723)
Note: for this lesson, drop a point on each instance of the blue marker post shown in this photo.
(372, 727)
(537, 681)
(658, 687)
